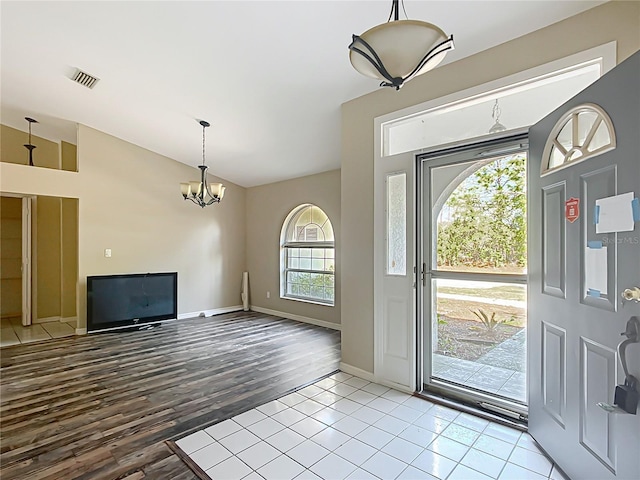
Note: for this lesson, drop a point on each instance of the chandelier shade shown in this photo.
(399, 50)
(203, 193)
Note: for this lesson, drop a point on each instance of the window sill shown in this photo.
(307, 300)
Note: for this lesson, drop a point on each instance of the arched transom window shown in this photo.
(308, 256)
(583, 132)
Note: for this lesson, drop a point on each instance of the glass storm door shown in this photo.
(475, 264)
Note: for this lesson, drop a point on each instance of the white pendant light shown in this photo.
(497, 127)
(399, 50)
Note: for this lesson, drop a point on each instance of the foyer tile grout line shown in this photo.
(311, 427)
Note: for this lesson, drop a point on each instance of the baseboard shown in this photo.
(358, 372)
(298, 318)
(396, 386)
(208, 313)
(181, 316)
(54, 319)
(47, 319)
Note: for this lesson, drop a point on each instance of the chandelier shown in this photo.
(399, 50)
(202, 193)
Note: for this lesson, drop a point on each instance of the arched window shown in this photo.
(308, 256)
(583, 132)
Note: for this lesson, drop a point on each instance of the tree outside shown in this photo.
(483, 223)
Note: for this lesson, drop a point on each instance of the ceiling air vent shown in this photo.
(84, 79)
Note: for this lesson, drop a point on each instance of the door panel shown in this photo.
(598, 374)
(554, 371)
(395, 328)
(573, 362)
(553, 244)
(597, 184)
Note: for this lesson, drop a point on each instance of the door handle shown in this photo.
(633, 336)
(626, 396)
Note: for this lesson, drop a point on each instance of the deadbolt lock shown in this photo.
(632, 293)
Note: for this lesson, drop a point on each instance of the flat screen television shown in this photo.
(131, 300)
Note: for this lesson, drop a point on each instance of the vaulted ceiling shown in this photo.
(269, 76)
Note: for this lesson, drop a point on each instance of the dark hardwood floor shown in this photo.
(101, 406)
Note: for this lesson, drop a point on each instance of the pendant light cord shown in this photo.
(496, 112)
(395, 11)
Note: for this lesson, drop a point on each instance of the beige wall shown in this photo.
(69, 259)
(267, 208)
(55, 258)
(618, 21)
(12, 141)
(68, 156)
(47, 258)
(130, 202)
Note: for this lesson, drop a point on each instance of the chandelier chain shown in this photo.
(496, 112)
(203, 127)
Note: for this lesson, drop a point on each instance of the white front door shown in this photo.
(580, 262)
(394, 277)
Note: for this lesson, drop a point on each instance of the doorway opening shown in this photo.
(39, 268)
(15, 257)
(474, 250)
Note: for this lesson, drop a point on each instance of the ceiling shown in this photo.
(269, 76)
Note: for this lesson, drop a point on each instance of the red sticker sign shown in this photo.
(572, 209)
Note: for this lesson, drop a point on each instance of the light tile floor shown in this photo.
(13, 333)
(345, 427)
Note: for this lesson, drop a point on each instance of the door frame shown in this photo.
(27, 261)
(604, 55)
(424, 260)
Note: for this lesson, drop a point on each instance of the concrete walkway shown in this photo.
(501, 371)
